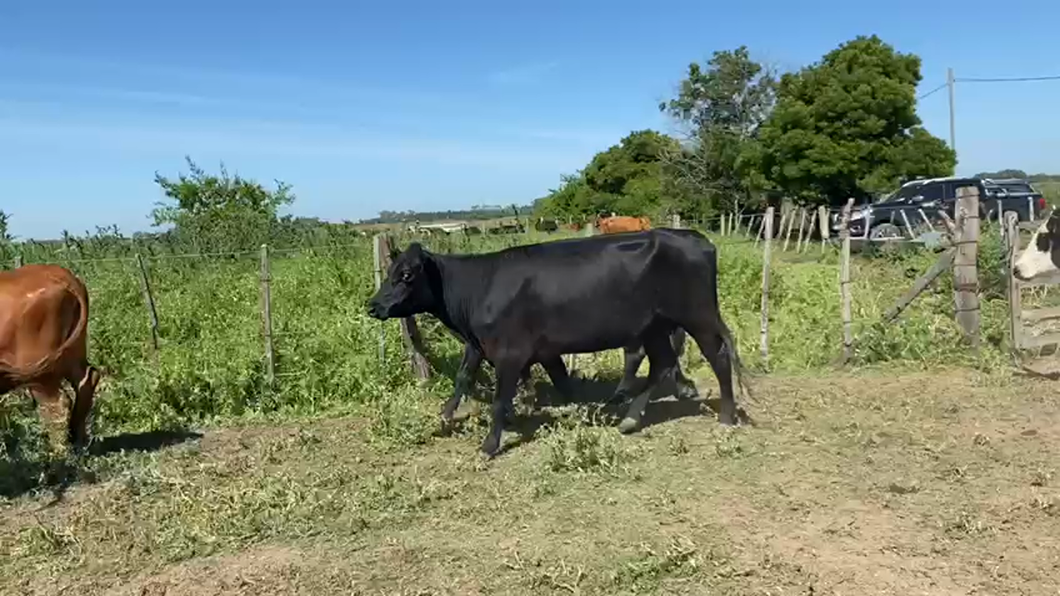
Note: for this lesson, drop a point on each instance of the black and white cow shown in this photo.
(1042, 256)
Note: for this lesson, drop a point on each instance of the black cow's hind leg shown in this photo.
(465, 375)
(662, 364)
(507, 382)
(711, 344)
(557, 373)
(686, 389)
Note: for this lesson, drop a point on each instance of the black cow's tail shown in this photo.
(729, 345)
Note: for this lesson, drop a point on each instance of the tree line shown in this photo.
(845, 126)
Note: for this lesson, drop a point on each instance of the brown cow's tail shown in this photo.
(56, 356)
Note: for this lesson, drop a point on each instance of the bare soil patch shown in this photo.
(879, 482)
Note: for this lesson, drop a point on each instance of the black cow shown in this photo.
(536, 302)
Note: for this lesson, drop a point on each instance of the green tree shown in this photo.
(1007, 173)
(219, 212)
(625, 179)
(847, 126)
(5, 234)
(720, 107)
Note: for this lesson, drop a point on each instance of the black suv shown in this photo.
(884, 216)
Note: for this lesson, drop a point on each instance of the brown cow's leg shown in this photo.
(53, 406)
(80, 415)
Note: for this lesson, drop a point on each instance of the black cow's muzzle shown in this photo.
(376, 310)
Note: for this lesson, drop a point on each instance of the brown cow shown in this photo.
(43, 341)
(622, 223)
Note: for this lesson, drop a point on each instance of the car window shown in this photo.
(931, 192)
(902, 193)
(1006, 188)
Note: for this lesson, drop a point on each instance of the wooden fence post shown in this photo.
(377, 256)
(965, 274)
(802, 227)
(410, 332)
(762, 227)
(767, 222)
(844, 282)
(908, 227)
(266, 317)
(18, 261)
(791, 224)
(1012, 244)
(822, 221)
(675, 221)
(149, 299)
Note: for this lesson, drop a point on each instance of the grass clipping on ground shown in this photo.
(875, 483)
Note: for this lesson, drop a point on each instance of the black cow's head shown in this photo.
(406, 291)
(1042, 255)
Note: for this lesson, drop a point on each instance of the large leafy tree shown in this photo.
(219, 212)
(720, 107)
(626, 179)
(847, 126)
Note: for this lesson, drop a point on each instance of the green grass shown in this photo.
(211, 362)
(337, 480)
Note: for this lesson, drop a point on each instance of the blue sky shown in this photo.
(422, 105)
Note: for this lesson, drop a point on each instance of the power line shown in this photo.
(932, 92)
(1008, 79)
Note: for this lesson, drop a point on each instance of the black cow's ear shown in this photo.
(415, 250)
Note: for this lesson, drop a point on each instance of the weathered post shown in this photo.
(764, 329)
(844, 281)
(377, 254)
(18, 261)
(802, 226)
(266, 317)
(822, 221)
(791, 224)
(1012, 244)
(965, 274)
(149, 299)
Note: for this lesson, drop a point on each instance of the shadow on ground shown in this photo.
(25, 473)
(596, 397)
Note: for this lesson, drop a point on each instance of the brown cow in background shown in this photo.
(622, 223)
(43, 341)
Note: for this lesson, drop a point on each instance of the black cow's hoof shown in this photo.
(687, 393)
(628, 425)
(490, 447)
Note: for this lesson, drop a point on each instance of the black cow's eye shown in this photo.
(406, 276)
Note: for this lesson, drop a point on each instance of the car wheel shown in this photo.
(885, 230)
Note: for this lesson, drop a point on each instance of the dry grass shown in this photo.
(936, 482)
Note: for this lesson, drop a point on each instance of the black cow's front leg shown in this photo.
(557, 373)
(465, 375)
(633, 356)
(507, 382)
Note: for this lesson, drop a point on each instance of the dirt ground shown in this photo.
(880, 482)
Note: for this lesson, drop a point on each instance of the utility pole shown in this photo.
(953, 128)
